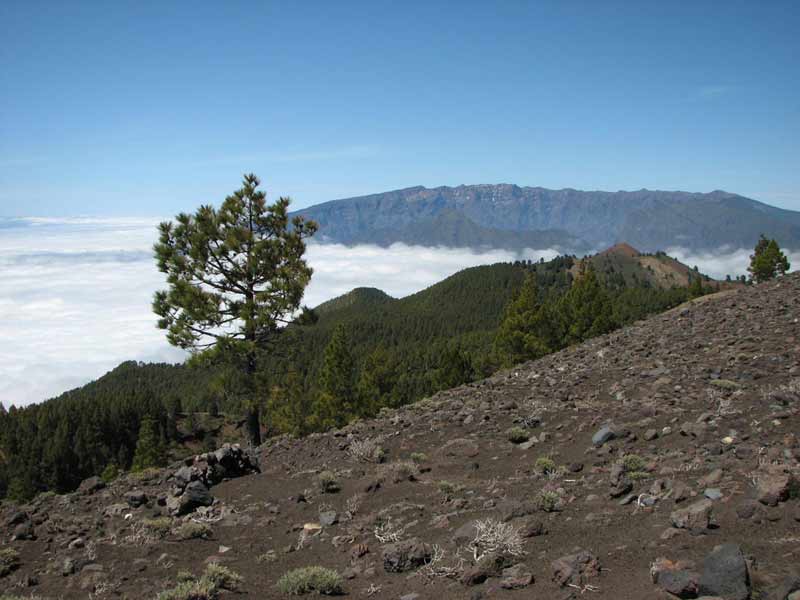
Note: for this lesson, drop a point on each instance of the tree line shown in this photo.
(235, 282)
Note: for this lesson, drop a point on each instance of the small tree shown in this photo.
(520, 335)
(767, 261)
(236, 275)
(377, 381)
(336, 403)
(290, 406)
(150, 451)
(586, 308)
(696, 287)
(454, 369)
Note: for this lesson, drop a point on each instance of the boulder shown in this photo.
(24, 531)
(603, 435)
(677, 579)
(490, 565)
(725, 574)
(516, 577)
(135, 498)
(194, 496)
(695, 518)
(576, 569)
(775, 485)
(91, 485)
(328, 518)
(461, 448)
(406, 555)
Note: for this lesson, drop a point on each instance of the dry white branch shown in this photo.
(387, 533)
(492, 536)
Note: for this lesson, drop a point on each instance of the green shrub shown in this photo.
(418, 457)
(183, 576)
(328, 484)
(402, 470)
(145, 474)
(191, 530)
(517, 435)
(159, 526)
(222, 577)
(110, 473)
(310, 579)
(215, 578)
(548, 501)
(449, 489)
(201, 589)
(9, 560)
(268, 557)
(633, 462)
(545, 465)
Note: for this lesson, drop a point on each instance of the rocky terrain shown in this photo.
(660, 461)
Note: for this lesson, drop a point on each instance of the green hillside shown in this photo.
(400, 350)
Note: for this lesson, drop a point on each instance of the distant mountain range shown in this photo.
(513, 217)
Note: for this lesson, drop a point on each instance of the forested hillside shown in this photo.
(365, 351)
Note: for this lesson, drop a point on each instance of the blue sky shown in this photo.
(148, 108)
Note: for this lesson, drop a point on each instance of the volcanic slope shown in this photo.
(603, 467)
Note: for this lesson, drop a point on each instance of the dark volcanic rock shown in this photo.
(91, 485)
(577, 569)
(725, 574)
(696, 517)
(405, 556)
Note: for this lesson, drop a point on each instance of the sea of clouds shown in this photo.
(75, 294)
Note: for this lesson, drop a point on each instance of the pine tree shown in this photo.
(455, 368)
(289, 409)
(376, 382)
(586, 309)
(336, 404)
(767, 261)
(519, 337)
(235, 276)
(696, 287)
(150, 451)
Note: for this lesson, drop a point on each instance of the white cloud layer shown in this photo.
(75, 294)
(725, 261)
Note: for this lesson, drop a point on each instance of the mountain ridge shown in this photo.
(567, 219)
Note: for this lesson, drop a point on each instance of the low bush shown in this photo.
(517, 435)
(544, 465)
(634, 462)
(548, 501)
(222, 577)
(402, 470)
(328, 484)
(191, 530)
(158, 526)
(367, 451)
(200, 589)
(207, 587)
(145, 474)
(418, 457)
(9, 560)
(308, 580)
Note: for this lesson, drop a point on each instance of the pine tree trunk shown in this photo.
(253, 412)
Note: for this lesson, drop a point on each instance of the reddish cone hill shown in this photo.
(658, 269)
